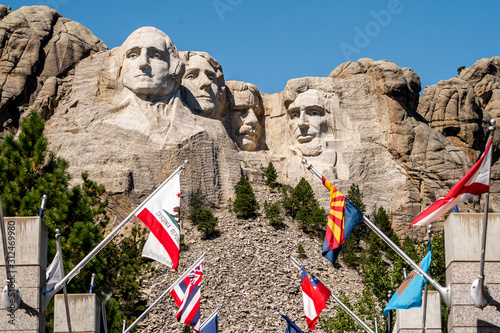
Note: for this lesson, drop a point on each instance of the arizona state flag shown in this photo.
(342, 219)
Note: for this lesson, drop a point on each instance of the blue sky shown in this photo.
(269, 42)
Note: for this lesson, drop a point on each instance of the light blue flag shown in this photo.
(212, 326)
(409, 293)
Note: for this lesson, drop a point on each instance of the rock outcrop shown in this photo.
(39, 49)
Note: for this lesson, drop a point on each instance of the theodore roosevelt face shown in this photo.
(246, 120)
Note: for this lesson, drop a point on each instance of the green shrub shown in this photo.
(273, 214)
(245, 205)
(207, 223)
(271, 175)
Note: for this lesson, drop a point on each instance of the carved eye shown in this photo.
(294, 114)
(190, 76)
(132, 54)
(212, 77)
(315, 112)
(157, 55)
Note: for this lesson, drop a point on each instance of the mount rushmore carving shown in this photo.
(132, 114)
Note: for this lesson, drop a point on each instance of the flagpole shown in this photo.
(61, 265)
(172, 286)
(342, 305)
(210, 317)
(42, 206)
(389, 315)
(444, 292)
(479, 289)
(47, 296)
(424, 301)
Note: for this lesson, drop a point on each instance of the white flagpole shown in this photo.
(424, 301)
(61, 267)
(479, 289)
(210, 317)
(47, 296)
(444, 292)
(172, 286)
(342, 305)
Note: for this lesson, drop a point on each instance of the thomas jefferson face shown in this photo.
(307, 117)
(145, 68)
(199, 86)
(246, 120)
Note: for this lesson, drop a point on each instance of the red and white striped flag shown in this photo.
(475, 182)
(186, 295)
(160, 214)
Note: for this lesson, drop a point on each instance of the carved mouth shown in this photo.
(304, 138)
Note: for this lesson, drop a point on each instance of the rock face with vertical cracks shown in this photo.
(38, 50)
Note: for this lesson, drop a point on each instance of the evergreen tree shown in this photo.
(303, 207)
(207, 223)
(352, 248)
(271, 175)
(245, 205)
(273, 214)
(27, 171)
(302, 196)
(195, 208)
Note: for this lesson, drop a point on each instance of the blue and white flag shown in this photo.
(409, 293)
(211, 325)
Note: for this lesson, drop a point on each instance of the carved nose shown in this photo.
(303, 123)
(251, 118)
(143, 60)
(204, 81)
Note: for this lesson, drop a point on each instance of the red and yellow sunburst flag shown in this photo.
(335, 228)
(342, 219)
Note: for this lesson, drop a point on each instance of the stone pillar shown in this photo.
(410, 320)
(28, 252)
(463, 233)
(84, 310)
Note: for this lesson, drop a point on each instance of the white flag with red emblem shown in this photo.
(161, 214)
(475, 182)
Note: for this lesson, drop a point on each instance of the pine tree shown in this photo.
(271, 175)
(207, 223)
(273, 214)
(245, 205)
(27, 171)
(195, 208)
(303, 207)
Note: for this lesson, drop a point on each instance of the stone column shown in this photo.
(28, 252)
(85, 313)
(463, 233)
(410, 320)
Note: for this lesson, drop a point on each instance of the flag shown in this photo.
(475, 182)
(54, 272)
(455, 209)
(291, 326)
(409, 293)
(211, 325)
(160, 214)
(186, 295)
(342, 219)
(315, 296)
